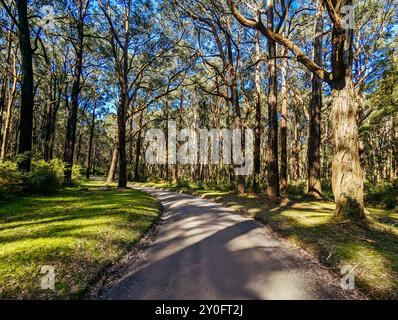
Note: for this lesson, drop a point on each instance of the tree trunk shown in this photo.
(257, 134)
(7, 125)
(315, 106)
(4, 79)
(283, 132)
(138, 149)
(90, 144)
(27, 95)
(272, 173)
(347, 175)
(50, 129)
(112, 169)
(167, 166)
(72, 115)
(121, 123)
(296, 151)
(239, 179)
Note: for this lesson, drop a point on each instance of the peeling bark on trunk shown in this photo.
(347, 175)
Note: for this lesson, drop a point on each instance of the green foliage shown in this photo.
(327, 190)
(76, 169)
(181, 183)
(45, 177)
(10, 180)
(296, 188)
(384, 192)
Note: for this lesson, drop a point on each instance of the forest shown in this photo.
(83, 81)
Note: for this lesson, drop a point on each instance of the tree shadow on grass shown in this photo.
(79, 238)
(374, 251)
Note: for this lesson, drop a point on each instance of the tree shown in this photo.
(347, 175)
(315, 106)
(27, 95)
(78, 44)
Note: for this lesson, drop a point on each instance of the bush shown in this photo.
(76, 169)
(296, 188)
(327, 190)
(390, 201)
(45, 177)
(383, 192)
(10, 180)
(181, 183)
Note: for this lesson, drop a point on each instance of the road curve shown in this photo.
(202, 250)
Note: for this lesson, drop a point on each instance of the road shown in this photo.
(202, 250)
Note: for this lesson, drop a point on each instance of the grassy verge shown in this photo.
(310, 224)
(79, 231)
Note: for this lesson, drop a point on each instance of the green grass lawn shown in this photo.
(311, 225)
(79, 231)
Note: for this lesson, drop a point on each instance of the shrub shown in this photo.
(76, 173)
(181, 183)
(390, 201)
(383, 192)
(327, 190)
(9, 174)
(45, 177)
(10, 180)
(296, 188)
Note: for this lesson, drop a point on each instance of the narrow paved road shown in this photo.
(202, 250)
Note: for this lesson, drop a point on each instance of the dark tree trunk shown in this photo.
(273, 174)
(50, 129)
(258, 128)
(167, 166)
(121, 123)
(72, 115)
(315, 106)
(296, 151)
(27, 95)
(138, 149)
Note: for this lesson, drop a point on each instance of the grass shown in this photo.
(311, 225)
(79, 231)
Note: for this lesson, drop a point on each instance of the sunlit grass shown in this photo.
(79, 231)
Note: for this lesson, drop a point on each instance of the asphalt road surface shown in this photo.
(203, 250)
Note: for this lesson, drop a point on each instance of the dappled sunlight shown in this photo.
(78, 231)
